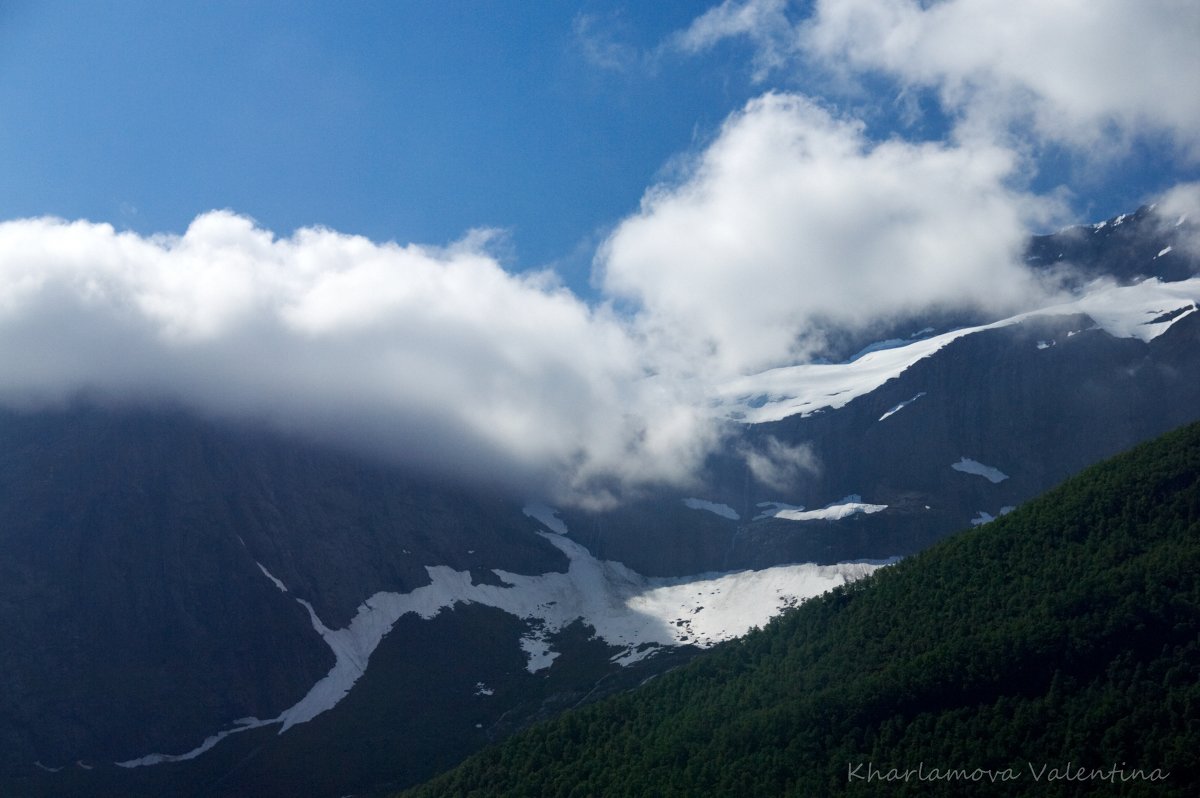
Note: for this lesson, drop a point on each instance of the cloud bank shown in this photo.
(436, 356)
(790, 222)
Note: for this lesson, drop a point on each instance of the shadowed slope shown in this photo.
(1066, 634)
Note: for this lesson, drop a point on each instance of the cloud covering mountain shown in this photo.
(793, 217)
(790, 220)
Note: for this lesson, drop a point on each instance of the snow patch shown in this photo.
(969, 466)
(1162, 252)
(841, 509)
(636, 613)
(483, 689)
(773, 509)
(723, 510)
(901, 406)
(985, 517)
(269, 575)
(1045, 344)
(157, 759)
(537, 650)
(547, 515)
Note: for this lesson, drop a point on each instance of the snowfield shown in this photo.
(1121, 311)
(635, 613)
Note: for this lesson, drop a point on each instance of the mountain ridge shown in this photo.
(1061, 636)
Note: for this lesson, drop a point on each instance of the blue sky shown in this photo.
(413, 121)
(544, 239)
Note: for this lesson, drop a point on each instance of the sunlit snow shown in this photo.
(901, 406)
(969, 466)
(840, 509)
(635, 613)
(1121, 311)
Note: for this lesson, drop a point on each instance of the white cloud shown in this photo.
(792, 220)
(762, 21)
(1092, 74)
(600, 46)
(439, 357)
(1079, 72)
(1179, 208)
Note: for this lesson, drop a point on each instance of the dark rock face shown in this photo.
(1128, 248)
(135, 616)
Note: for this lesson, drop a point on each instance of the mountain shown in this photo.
(1054, 650)
(932, 430)
(141, 552)
(188, 603)
(197, 607)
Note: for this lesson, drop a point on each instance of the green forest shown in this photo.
(1054, 651)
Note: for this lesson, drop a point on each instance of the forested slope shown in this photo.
(1064, 635)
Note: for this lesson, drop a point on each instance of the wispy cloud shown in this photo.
(778, 465)
(1180, 208)
(601, 42)
(763, 22)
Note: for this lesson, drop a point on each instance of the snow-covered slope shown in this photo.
(635, 613)
(1143, 311)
